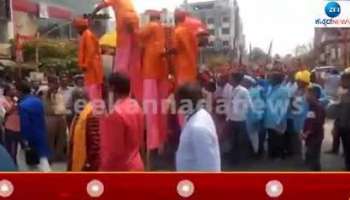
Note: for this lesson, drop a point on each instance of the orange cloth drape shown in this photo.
(128, 59)
(126, 16)
(90, 58)
(185, 60)
(79, 140)
(152, 38)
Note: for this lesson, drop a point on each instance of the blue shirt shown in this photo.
(33, 125)
(277, 103)
(297, 112)
(256, 111)
(6, 162)
(264, 84)
(324, 99)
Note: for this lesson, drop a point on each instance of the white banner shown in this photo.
(333, 14)
(43, 11)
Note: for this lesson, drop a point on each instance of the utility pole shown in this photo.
(236, 31)
(186, 5)
(345, 43)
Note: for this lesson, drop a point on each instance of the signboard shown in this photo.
(43, 11)
(36, 76)
(332, 14)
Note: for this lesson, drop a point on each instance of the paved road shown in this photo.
(329, 162)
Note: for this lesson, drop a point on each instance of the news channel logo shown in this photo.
(332, 9)
(333, 14)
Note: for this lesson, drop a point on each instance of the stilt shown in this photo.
(148, 160)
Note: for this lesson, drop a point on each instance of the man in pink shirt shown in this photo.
(122, 130)
(11, 122)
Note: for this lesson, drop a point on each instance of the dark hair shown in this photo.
(189, 91)
(315, 90)
(7, 88)
(155, 18)
(53, 79)
(77, 78)
(346, 76)
(334, 72)
(64, 76)
(24, 87)
(313, 77)
(120, 83)
(277, 77)
(237, 77)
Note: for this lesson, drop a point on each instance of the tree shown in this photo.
(257, 54)
(58, 54)
(300, 50)
(305, 52)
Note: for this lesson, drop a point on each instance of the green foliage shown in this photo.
(257, 54)
(58, 54)
(68, 65)
(49, 48)
(306, 54)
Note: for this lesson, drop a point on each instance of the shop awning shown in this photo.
(57, 12)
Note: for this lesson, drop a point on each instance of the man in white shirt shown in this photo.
(66, 91)
(227, 96)
(55, 111)
(198, 147)
(222, 99)
(237, 116)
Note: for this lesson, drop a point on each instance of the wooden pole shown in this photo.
(346, 51)
(37, 51)
(148, 160)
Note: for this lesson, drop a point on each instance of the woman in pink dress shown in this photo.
(11, 123)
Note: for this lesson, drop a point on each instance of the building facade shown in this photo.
(24, 19)
(224, 25)
(332, 46)
(167, 17)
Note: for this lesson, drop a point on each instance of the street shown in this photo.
(329, 162)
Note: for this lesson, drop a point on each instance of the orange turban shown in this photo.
(180, 15)
(154, 13)
(80, 22)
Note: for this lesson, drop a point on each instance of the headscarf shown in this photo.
(249, 79)
(154, 13)
(304, 76)
(78, 153)
(180, 15)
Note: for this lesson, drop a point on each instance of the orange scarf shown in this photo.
(79, 140)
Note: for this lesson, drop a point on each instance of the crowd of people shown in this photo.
(229, 114)
(156, 105)
(36, 116)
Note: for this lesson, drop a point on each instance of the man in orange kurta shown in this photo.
(128, 51)
(89, 57)
(155, 75)
(186, 51)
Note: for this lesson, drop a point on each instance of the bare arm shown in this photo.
(99, 7)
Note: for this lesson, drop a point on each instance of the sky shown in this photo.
(287, 23)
